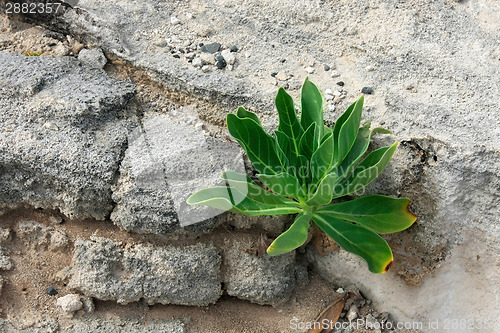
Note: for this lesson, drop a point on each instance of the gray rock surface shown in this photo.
(5, 261)
(168, 159)
(107, 270)
(61, 137)
(263, 280)
(435, 82)
(118, 326)
(93, 58)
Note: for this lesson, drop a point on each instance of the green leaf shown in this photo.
(248, 188)
(358, 149)
(367, 170)
(286, 152)
(358, 240)
(346, 129)
(283, 184)
(288, 121)
(308, 143)
(378, 213)
(312, 108)
(223, 198)
(294, 237)
(243, 113)
(302, 169)
(259, 146)
(322, 160)
(326, 130)
(325, 191)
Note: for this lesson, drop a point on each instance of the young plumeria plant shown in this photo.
(304, 168)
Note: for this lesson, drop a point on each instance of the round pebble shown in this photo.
(326, 68)
(221, 64)
(234, 48)
(335, 74)
(309, 69)
(367, 90)
(340, 83)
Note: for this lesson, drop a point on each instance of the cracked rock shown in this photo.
(109, 270)
(71, 165)
(263, 280)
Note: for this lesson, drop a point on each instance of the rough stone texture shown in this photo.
(70, 303)
(5, 261)
(61, 137)
(168, 159)
(112, 326)
(1, 284)
(263, 280)
(35, 235)
(90, 325)
(93, 58)
(107, 270)
(435, 82)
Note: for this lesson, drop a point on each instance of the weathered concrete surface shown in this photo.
(89, 325)
(168, 159)
(106, 270)
(263, 280)
(61, 137)
(167, 326)
(434, 72)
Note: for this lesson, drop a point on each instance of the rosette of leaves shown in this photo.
(307, 168)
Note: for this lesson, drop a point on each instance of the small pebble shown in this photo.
(51, 44)
(340, 291)
(328, 92)
(331, 107)
(282, 76)
(51, 291)
(177, 56)
(211, 48)
(309, 69)
(340, 83)
(70, 303)
(335, 74)
(326, 68)
(228, 56)
(329, 97)
(221, 64)
(367, 90)
(205, 69)
(207, 58)
(197, 62)
(219, 57)
(337, 93)
(174, 20)
(369, 68)
(234, 48)
(352, 313)
(274, 74)
(283, 61)
(229, 67)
